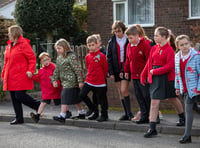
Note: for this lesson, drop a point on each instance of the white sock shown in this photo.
(63, 115)
(81, 111)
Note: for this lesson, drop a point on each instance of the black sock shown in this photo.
(152, 125)
(182, 115)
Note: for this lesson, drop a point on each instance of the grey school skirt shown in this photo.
(70, 96)
(161, 88)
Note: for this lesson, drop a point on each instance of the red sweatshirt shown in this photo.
(160, 56)
(136, 58)
(43, 76)
(97, 68)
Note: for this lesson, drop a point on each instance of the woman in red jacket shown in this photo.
(19, 65)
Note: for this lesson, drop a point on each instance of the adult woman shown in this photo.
(116, 58)
(19, 65)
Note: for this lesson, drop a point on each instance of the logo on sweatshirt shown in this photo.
(97, 58)
(160, 52)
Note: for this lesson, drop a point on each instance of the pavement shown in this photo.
(166, 126)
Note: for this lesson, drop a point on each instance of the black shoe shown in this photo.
(94, 116)
(158, 120)
(102, 118)
(59, 118)
(35, 117)
(16, 122)
(142, 121)
(124, 117)
(68, 115)
(185, 140)
(89, 112)
(80, 116)
(150, 133)
(181, 122)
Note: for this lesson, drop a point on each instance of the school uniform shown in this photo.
(136, 58)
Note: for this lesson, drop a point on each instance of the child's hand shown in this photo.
(55, 84)
(121, 75)
(81, 85)
(29, 74)
(112, 77)
(151, 72)
(127, 76)
(178, 92)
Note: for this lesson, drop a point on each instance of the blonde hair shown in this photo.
(92, 38)
(180, 37)
(65, 44)
(15, 31)
(163, 31)
(43, 54)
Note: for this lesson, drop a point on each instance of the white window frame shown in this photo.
(125, 2)
(190, 14)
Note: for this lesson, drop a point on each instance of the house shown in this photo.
(7, 8)
(177, 15)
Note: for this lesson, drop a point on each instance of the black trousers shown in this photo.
(143, 98)
(100, 94)
(19, 98)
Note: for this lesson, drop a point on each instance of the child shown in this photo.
(116, 56)
(94, 97)
(160, 71)
(97, 68)
(70, 74)
(187, 80)
(48, 91)
(136, 57)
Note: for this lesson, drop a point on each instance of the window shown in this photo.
(194, 9)
(134, 11)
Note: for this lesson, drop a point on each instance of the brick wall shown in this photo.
(172, 14)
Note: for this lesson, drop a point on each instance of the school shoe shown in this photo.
(89, 112)
(68, 115)
(142, 121)
(59, 118)
(79, 116)
(124, 117)
(185, 139)
(35, 117)
(150, 133)
(94, 116)
(181, 122)
(16, 122)
(102, 119)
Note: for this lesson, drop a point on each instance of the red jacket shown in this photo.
(43, 76)
(97, 68)
(136, 58)
(17, 61)
(160, 56)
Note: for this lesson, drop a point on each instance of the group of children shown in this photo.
(156, 72)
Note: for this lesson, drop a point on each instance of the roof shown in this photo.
(5, 2)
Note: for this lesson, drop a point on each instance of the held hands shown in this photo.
(29, 74)
(81, 85)
(55, 84)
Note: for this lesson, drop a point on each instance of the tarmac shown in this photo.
(166, 126)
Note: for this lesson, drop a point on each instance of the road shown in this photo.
(60, 136)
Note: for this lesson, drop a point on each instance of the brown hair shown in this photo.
(43, 54)
(98, 37)
(118, 24)
(132, 30)
(171, 39)
(180, 37)
(163, 31)
(141, 32)
(65, 44)
(92, 38)
(15, 31)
